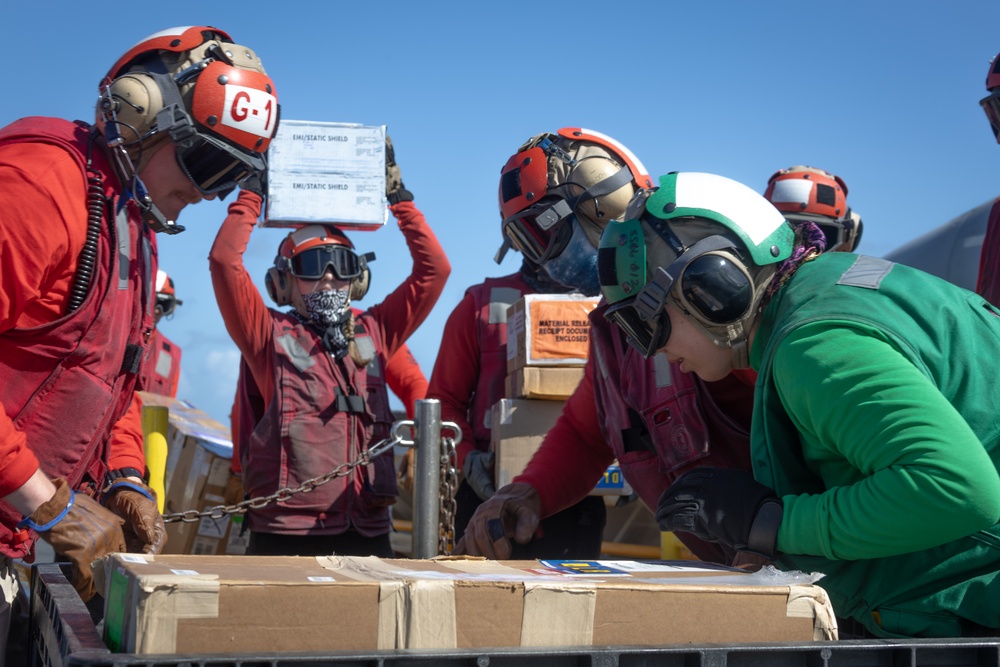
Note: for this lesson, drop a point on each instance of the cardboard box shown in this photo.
(191, 604)
(549, 383)
(548, 330)
(199, 455)
(198, 483)
(517, 429)
(326, 173)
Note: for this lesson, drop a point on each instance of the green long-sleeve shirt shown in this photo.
(876, 421)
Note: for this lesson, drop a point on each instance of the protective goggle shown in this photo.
(214, 166)
(714, 288)
(991, 105)
(536, 231)
(167, 303)
(311, 264)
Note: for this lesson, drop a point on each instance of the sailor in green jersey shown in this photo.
(876, 433)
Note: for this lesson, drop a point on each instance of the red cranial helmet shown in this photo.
(807, 193)
(193, 85)
(552, 177)
(308, 253)
(166, 296)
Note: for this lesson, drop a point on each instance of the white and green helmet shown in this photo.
(706, 242)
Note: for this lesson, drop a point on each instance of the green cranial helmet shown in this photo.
(707, 243)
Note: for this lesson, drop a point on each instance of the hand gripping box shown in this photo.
(199, 455)
(217, 604)
(548, 330)
(326, 173)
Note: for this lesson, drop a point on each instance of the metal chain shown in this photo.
(448, 486)
(365, 458)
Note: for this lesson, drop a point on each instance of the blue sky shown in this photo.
(884, 94)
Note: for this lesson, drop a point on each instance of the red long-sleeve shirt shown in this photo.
(43, 226)
(576, 448)
(248, 319)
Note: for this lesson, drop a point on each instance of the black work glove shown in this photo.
(513, 513)
(478, 471)
(723, 505)
(256, 184)
(395, 191)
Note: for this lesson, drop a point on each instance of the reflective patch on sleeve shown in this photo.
(867, 272)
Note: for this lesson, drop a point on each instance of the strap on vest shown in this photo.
(133, 359)
(351, 403)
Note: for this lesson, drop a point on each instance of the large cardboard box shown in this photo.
(214, 604)
(326, 173)
(548, 330)
(199, 455)
(549, 383)
(517, 429)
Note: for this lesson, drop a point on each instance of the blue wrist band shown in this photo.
(26, 522)
(124, 484)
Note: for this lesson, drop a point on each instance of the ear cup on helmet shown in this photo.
(136, 99)
(359, 286)
(278, 287)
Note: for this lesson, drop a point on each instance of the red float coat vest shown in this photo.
(492, 297)
(661, 423)
(162, 367)
(308, 431)
(76, 375)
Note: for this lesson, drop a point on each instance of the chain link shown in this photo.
(221, 511)
(448, 486)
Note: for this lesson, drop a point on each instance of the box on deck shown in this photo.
(548, 330)
(549, 383)
(199, 455)
(326, 173)
(196, 604)
(517, 428)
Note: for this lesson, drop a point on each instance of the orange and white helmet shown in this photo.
(193, 85)
(573, 172)
(807, 193)
(308, 252)
(166, 295)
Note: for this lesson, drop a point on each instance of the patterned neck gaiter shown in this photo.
(329, 311)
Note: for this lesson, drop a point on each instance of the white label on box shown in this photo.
(133, 558)
(213, 527)
(239, 539)
(326, 172)
(184, 573)
(321, 579)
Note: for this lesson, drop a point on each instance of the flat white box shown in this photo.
(330, 173)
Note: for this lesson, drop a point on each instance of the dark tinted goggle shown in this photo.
(312, 263)
(713, 289)
(991, 105)
(646, 336)
(166, 303)
(540, 232)
(214, 166)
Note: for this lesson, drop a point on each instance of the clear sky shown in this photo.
(883, 93)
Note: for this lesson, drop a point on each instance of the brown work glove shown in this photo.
(135, 503)
(406, 473)
(513, 512)
(234, 489)
(83, 532)
(395, 191)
